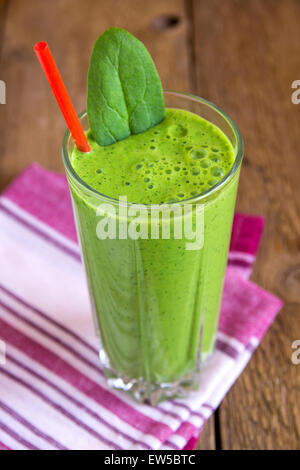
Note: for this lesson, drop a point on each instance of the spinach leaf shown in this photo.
(124, 90)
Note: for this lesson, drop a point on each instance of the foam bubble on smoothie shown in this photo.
(179, 158)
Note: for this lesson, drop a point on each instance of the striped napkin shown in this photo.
(53, 394)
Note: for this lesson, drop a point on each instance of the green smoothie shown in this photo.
(150, 295)
(177, 159)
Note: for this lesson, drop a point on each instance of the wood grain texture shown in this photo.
(3, 9)
(71, 27)
(207, 440)
(31, 127)
(247, 56)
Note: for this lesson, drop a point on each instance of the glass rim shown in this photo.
(193, 199)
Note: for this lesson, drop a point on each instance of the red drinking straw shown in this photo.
(54, 78)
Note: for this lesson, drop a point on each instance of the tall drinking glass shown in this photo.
(156, 302)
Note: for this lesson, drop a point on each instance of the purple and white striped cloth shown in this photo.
(52, 391)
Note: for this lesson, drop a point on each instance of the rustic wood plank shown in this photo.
(31, 126)
(247, 56)
(35, 126)
(207, 439)
(3, 9)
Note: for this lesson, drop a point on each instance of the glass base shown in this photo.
(150, 392)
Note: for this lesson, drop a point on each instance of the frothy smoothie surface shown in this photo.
(179, 158)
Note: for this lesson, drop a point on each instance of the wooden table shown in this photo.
(241, 54)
